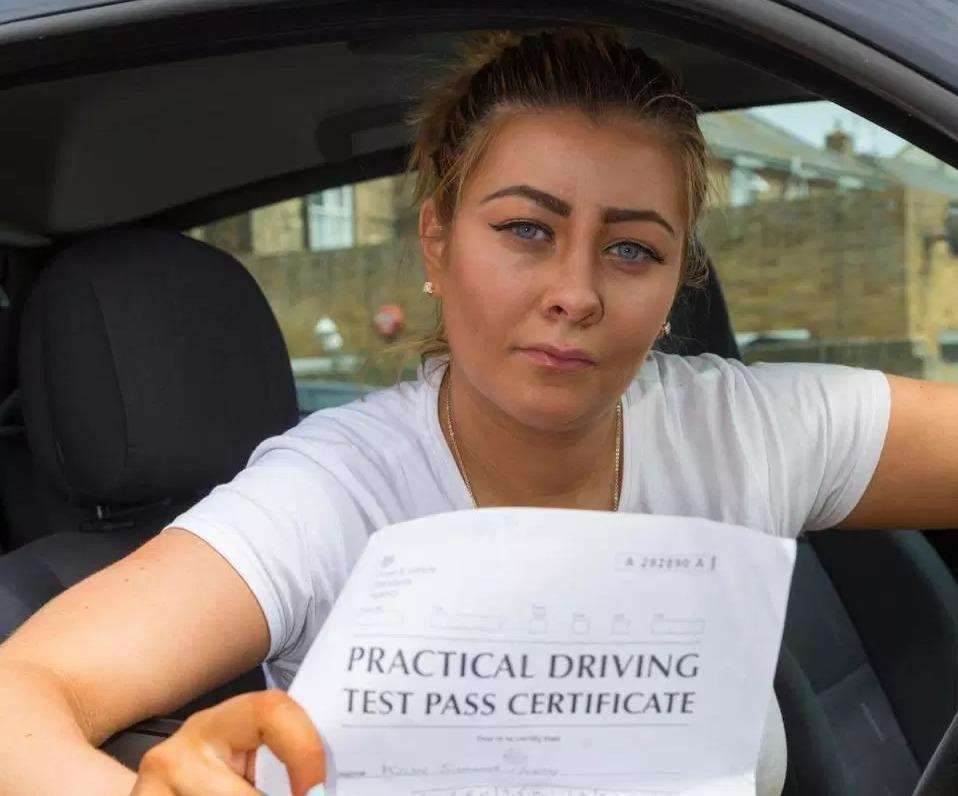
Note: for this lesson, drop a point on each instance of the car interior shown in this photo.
(139, 366)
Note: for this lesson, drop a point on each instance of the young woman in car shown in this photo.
(562, 176)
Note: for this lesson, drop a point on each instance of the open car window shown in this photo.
(834, 240)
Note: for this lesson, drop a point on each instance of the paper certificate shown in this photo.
(545, 652)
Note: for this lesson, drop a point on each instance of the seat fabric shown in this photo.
(843, 691)
(813, 765)
(150, 367)
(903, 601)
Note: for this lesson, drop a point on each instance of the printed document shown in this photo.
(547, 652)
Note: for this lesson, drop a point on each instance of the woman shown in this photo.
(562, 178)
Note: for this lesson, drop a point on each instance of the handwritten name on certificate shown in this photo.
(520, 652)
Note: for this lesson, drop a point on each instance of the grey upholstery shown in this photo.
(873, 625)
(150, 366)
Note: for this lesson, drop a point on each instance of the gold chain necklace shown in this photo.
(617, 472)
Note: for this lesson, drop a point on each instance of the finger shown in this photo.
(185, 771)
(271, 717)
(242, 761)
(250, 770)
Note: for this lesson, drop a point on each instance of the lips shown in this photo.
(557, 358)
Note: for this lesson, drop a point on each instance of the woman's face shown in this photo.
(561, 263)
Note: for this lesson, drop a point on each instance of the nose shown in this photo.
(573, 292)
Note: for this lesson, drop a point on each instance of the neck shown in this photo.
(511, 464)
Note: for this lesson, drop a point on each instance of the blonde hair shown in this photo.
(586, 69)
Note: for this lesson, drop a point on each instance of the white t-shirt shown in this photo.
(780, 448)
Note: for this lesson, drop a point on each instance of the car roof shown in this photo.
(922, 33)
(13, 10)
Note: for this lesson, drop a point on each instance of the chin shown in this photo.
(551, 409)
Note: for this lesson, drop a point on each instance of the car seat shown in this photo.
(150, 367)
(873, 625)
(867, 678)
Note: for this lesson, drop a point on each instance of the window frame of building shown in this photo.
(331, 218)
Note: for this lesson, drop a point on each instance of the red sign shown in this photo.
(389, 321)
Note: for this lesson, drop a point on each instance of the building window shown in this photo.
(948, 341)
(745, 185)
(846, 183)
(332, 221)
(796, 188)
(951, 228)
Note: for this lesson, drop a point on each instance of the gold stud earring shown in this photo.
(427, 288)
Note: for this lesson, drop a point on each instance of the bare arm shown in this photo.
(916, 482)
(140, 638)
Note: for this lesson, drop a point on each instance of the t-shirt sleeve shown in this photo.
(283, 526)
(824, 429)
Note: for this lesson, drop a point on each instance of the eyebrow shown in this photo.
(610, 215)
(546, 200)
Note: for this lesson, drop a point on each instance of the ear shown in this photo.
(432, 240)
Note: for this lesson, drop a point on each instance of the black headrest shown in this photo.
(700, 321)
(150, 367)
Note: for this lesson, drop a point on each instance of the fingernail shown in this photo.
(317, 790)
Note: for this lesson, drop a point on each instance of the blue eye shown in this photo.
(526, 230)
(630, 251)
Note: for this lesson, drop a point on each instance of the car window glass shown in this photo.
(834, 242)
